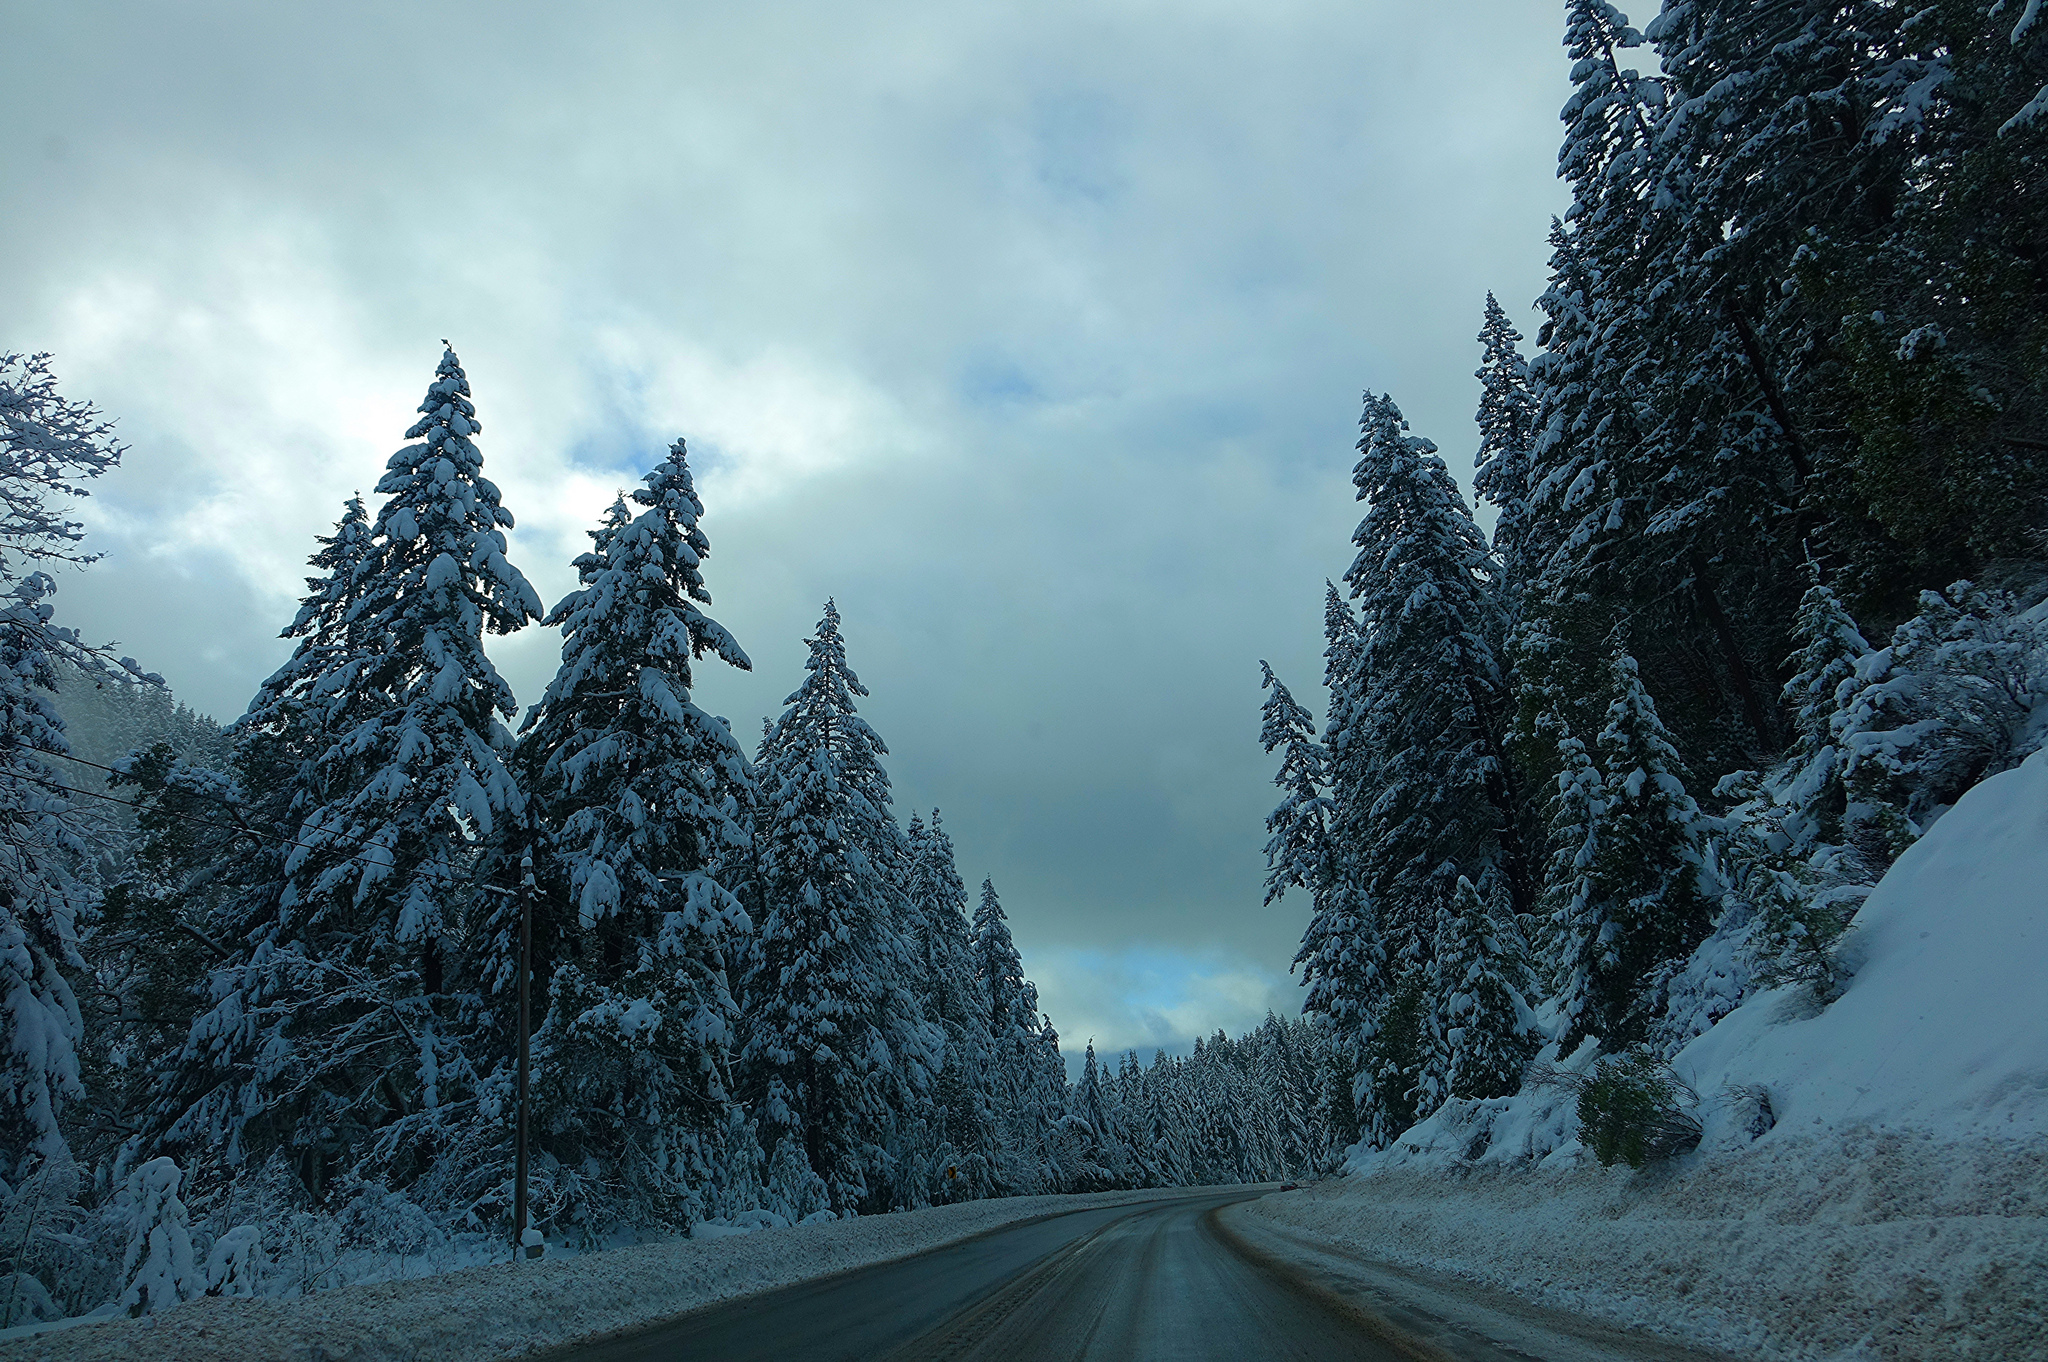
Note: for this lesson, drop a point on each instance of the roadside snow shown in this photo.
(1885, 1245)
(482, 1314)
(1873, 1182)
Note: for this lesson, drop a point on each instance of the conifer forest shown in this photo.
(1750, 598)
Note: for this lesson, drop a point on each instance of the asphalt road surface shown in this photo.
(1156, 1280)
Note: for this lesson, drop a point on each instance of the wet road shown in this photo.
(1156, 1280)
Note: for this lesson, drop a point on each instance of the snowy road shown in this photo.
(1124, 1282)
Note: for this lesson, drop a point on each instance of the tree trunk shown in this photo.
(1731, 652)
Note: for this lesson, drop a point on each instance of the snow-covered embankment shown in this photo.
(1887, 1197)
(483, 1314)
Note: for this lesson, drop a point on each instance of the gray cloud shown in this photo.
(1034, 334)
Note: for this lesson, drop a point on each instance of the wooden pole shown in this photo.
(519, 1158)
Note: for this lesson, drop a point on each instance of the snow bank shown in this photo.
(481, 1314)
(1873, 1182)
(1943, 1028)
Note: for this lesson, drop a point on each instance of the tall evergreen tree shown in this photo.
(953, 996)
(215, 846)
(416, 774)
(839, 1048)
(1434, 703)
(823, 711)
(1019, 1044)
(635, 784)
(1482, 1029)
(49, 445)
(1297, 853)
(1829, 646)
(1508, 415)
(1636, 905)
(814, 1051)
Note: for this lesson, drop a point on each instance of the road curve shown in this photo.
(1155, 1280)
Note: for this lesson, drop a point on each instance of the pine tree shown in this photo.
(1640, 906)
(1833, 160)
(1391, 1092)
(1298, 850)
(49, 445)
(158, 1265)
(1343, 963)
(365, 1052)
(1017, 1044)
(966, 1155)
(1433, 707)
(1508, 414)
(1829, 646)
(1573, 914)
(1347, 756)
(1604, 537)
(1101, 1149)
(823, 711)
(215, 845)
(1482, 1029)
(636, 785)
(840, 1049)
(1343, 956)
(814, 1052)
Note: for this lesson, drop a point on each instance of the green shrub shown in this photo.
(1631, 1110)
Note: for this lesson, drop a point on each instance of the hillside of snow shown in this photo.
(1873, 1178)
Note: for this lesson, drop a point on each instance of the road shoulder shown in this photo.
(506, 1311)
(1433, 1315)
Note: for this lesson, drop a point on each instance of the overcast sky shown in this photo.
(1034, 333)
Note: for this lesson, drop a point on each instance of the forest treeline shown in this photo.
(262, 983)
(1761, 598)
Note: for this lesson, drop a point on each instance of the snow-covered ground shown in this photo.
(1873, 1181)
(482, 1314)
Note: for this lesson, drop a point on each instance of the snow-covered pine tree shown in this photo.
(823, 708)
(1482, 1031)
(840, 1049)
(1044, 1091)
(1581, 538)
(1573, 916)
(415, 779)
(1347, 757)
(1016, 1046)
(1947, 702)
(1343, 956)
(1714, 482)
(1588, 389)
(1629, 887)
(1297, 852)
(158, 1266)
(1102, 1160)
(815, 1059)
(49, 446)
(965, 1157)
(1508, 414)
(1343, 963)
(1829, 646)
(211, 870)
(1830, 163)
(1434, 705)
(635, 784)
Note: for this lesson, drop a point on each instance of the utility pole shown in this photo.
(520, 1248)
